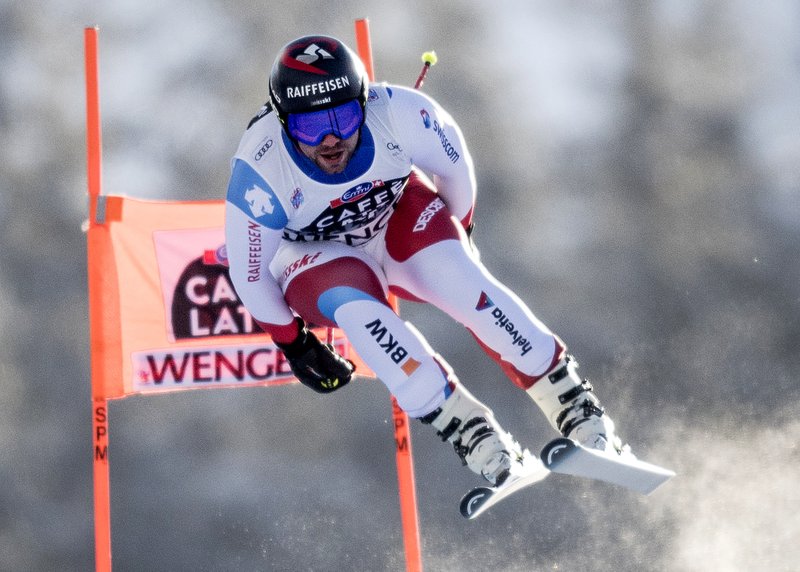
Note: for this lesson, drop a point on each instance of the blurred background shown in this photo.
(638, 167)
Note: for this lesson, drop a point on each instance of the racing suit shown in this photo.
(331, 247)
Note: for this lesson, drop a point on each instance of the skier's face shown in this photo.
(332, 154)
(328, 136)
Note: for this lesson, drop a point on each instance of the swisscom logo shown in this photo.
(448, 147)
(426, 118)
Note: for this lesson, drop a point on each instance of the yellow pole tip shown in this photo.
(429, 58)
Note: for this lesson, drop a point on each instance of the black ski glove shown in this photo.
(315, 364)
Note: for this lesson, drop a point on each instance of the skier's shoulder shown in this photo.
(395, 95)
(261, 136)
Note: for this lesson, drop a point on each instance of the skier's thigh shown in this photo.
(311, 272)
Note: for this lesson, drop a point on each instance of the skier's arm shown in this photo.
(254, 221)
(434, 142)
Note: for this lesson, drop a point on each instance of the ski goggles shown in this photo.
(312, 127)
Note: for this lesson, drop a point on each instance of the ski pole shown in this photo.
(428, 59)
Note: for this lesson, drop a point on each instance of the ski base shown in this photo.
(568, 457)
(480, 499)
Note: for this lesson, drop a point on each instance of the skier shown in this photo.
(329, 210)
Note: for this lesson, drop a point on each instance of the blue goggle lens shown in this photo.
(342, 121)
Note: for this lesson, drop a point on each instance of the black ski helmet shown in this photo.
(316, 72)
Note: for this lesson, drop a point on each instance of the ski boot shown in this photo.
(574, 410)
(477, 438)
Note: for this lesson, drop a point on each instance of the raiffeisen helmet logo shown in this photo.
(308, 56)
(312, 53)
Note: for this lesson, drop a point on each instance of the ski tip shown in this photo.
(661, 476)
(565, 456)
(656, 485)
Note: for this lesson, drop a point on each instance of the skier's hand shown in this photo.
(315, 364)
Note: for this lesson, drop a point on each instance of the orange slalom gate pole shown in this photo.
(101, 481)
(364, 45)
(402, 433)
(93, 136)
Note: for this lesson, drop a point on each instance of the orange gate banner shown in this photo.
(171, 318)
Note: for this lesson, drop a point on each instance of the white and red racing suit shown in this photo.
(331, 247)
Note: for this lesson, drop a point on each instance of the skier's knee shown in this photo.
(426, 387)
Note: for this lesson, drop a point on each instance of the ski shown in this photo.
(480, 499)
(565, 456)
(568, 457)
